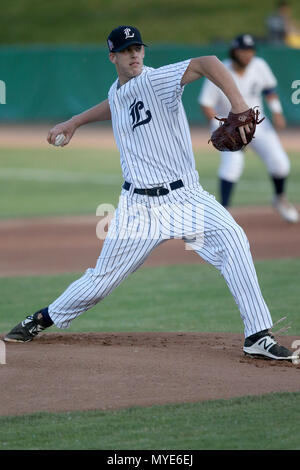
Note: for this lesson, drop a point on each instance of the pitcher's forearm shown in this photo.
(100, 112)
(213, 69)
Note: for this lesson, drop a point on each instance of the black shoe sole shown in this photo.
(13, 340)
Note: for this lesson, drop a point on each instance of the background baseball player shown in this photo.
(161, 197)
(255, 80)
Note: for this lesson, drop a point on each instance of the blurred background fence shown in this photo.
(53, 55)
(55, 82)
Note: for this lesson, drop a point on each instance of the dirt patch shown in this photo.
(101, 136)
(86, 371)
(68, 244)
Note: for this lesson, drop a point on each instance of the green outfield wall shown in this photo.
(47, 83)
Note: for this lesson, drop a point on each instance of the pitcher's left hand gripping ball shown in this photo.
(228, 136)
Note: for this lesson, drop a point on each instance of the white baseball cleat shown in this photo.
(287, 211)
(263, 344)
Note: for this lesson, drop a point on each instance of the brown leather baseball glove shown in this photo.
(228, 137)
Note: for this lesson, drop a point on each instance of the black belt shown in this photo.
(158, 191)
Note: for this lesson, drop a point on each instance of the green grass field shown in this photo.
(49, 181)
(86, 21)
(176, 298)
(190, 426)
(42, 182)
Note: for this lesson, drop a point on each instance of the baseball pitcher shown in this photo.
(161, 197)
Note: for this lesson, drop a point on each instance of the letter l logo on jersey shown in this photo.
(136, 116)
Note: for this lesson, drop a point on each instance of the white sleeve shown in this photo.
(209, 94)
(166, 83)
(268, 78)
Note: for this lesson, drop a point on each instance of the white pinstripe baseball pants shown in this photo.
(189, 213)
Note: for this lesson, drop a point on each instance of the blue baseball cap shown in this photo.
(244, 41)
(122, 37)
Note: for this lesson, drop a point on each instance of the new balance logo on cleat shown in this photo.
(264, 345)
(267, 342)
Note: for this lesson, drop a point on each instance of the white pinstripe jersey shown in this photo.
(150, 126)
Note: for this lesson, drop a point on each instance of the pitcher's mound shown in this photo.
(84, 371)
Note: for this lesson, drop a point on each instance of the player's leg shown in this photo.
(129, 241)
(226, 247)
(230, 170)
(268, 146)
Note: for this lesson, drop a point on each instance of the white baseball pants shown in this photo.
(141, 223)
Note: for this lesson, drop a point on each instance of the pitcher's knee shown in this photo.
(237, 238)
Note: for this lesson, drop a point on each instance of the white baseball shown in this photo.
(59, 139)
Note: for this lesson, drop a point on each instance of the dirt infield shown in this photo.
(101, 136)
(87, 371)
(62, 372)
